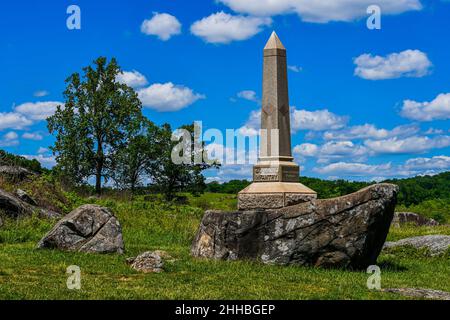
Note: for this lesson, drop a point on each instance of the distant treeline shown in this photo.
(324, 188)
(422, 188)
(413, 191)
(9, 159)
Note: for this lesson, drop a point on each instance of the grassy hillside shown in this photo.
(150, 224)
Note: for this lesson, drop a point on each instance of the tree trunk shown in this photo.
(98, 180)
(170, 192)
(99, 168)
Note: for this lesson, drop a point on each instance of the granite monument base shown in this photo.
(274, 195)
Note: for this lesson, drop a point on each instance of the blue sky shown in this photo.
(366, 104)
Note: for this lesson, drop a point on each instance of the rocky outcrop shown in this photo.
(25, 197)
(420, 293)
(15, 173)
(412, 218)
(90, 228)
(15, 208)
(342, 232)
(436, 244)
(147, 262)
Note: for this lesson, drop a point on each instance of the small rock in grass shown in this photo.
(420, 293)
(147, 262)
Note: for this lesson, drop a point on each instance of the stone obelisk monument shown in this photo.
(276, 175)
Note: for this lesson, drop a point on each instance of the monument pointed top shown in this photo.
(274, 43)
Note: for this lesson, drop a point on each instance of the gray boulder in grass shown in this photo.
(401, 218)
(147, 262)
(89, 228)
(436, 244)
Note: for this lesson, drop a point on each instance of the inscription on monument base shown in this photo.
(266, 174)
(291, 174)
(276, 174)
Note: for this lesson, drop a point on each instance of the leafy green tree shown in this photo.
(169, 177)
(133, 161)
(97, 119)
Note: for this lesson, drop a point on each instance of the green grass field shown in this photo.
(27, 273)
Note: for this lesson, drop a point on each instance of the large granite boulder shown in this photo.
(401, 218)
(13, 207)
(435, 244)
(342, 232)
(89, 228)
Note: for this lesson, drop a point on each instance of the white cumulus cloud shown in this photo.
(438, 109)
(249, 95)
(412, 167)
(42, 150)
(434, 131)
(342, 148)
(132, 79)
(9, 139)
(32, 136)
(252, 126)
(225, 28)
(13, 120)
(307, 150)
(41, 93)
(162, 25)
(434, 163)
(333, 151)
(408, 63)
(354, 169)
(168, 97)
(370, 131)
(414, 144)
(320, 11)
(37, 111)
(11, 136)
(319, 120)
(295, 68)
